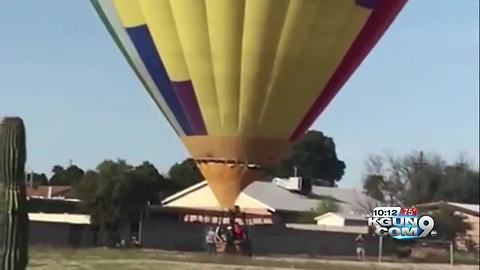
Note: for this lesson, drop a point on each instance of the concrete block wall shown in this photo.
(171, 235)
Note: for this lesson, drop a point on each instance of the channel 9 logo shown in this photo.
(401, 223)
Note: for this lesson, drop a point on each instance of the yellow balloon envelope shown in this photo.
(240, 80)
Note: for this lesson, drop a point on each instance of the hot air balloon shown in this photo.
(241, 80)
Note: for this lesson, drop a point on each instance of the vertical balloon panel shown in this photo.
(262, 29)
(315, 37)
(225, 28)
(383, 14)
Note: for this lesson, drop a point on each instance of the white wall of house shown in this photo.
(60, 218)
(204, 198)
(331, 219)
(473, 232)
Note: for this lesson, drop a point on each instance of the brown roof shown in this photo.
(56, 191)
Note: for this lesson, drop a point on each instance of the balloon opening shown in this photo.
(228, 179)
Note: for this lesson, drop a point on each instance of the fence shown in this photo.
(191, 237)
(266, 240)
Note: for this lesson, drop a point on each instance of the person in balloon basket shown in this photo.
(210, 240)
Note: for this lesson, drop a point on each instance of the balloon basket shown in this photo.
(231, 246)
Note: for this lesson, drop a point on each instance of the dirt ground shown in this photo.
(107, 259)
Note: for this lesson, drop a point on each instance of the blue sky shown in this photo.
(61, 72)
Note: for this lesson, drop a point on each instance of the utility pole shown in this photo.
(421, 161)
(451, 253)
(380, 248)
(418, 165)
(28, 176)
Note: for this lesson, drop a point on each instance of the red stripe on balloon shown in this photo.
(378, 22)
(188, 101)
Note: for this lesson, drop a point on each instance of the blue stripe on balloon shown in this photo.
(143, 42)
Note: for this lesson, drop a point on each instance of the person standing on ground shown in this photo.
(360, 248)
(210, 239)
(220, 234)
(238, 236)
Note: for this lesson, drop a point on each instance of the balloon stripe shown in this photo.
(159, 18)
(225, 25)
(188, 100)
(193, 33)
(263, 25)
(315, 37)
(108, 14)
(378, 22)
(142, 40)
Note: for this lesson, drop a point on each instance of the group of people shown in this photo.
(228, 236)
(235, 236)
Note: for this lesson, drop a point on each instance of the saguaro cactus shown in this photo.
(13, 203)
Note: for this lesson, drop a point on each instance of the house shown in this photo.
(55, 217)
(50, 192)
(355, 223)
(272, 209)
(471, 212)
(51, 199)
(284, 203)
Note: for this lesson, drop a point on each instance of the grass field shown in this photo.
(114, 259)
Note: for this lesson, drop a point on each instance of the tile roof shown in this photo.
(56, 191)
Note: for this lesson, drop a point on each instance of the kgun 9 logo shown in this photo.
(403, 227)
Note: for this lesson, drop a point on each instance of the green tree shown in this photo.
(449, 225)
(39, 179)
(184, 174)
(322, 207)
(374, 185)
(57, 176)
(74, 174)
(66, 177)
(146, 176)
(96, 196)
(117, 192)
(315, 158)
(422, 178)
(460, 184)
(114, 168)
